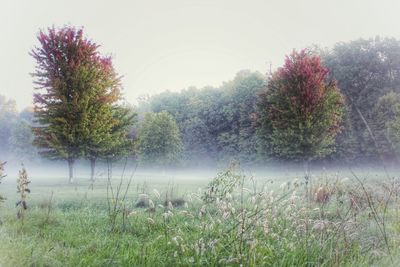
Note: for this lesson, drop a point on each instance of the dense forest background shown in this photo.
(216, 124)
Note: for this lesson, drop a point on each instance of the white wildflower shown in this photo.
(167, 214)
(151, 204)
(132, 213)
(156, 193)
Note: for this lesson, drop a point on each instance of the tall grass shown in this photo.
(235, 220)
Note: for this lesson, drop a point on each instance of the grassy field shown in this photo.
(179, 219)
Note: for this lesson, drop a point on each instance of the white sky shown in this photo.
(174, 44)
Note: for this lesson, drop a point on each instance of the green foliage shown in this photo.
(22, 140)
(16, 136)
(8, 117)
(107, 134)
(266, 226)
(215, 123)
(159, 139)
(299, 113)
(365, 69)
(384, 120)
(76, 103)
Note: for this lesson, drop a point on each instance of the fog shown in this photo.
(55, 173)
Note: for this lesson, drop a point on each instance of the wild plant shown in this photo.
(2, 175)
(23, 191)
(224, 184)
(116, 197)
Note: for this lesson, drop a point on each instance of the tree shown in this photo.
(215, 123)
(8, 118)
(383, 125)
(117, 143)
(299, 112)
(159, 139)
(365, 69)
(77, 89)
(21, 140)
(238, 140)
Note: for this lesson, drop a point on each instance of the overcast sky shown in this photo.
(174, 44)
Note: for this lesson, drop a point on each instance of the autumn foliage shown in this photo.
(299, 112)
(77, 92)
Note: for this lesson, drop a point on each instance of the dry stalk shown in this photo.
(23, 191)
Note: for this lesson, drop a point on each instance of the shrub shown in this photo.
(23, 190)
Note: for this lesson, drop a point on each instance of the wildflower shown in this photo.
(143, 196)
(246, 190)
(167, 214)
(344, 180)
(151, 204)
(202, 211)
(319, 226)
(156, 193)
(132, 213)
(266, 227)
(175, 241)
(322, 195)
(283, 185)
(183, 212)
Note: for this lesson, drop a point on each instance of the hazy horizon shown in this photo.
(172, 45)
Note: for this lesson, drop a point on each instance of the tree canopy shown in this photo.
(299, 112)
(77, 91)
(159, 140)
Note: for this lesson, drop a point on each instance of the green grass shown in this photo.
(264, 224)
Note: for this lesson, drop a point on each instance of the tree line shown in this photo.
(218, 123)
(338, 104)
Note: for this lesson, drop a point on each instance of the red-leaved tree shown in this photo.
(77, 89)
(299, 112)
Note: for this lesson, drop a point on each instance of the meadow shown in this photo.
(226, 217)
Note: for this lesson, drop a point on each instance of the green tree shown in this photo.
(300, 112)
(159, 140)
(365, 69)
(22, 139)
(238, 139)
(77, 90)
(215, 123)
(383, 127)
(8, 118)
(120, 142)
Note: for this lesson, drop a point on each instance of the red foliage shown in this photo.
(60, 56)
(303, 77)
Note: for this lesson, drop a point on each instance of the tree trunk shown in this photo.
(92, 167)
(109, 167)
(71, 170)
(307, 178)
